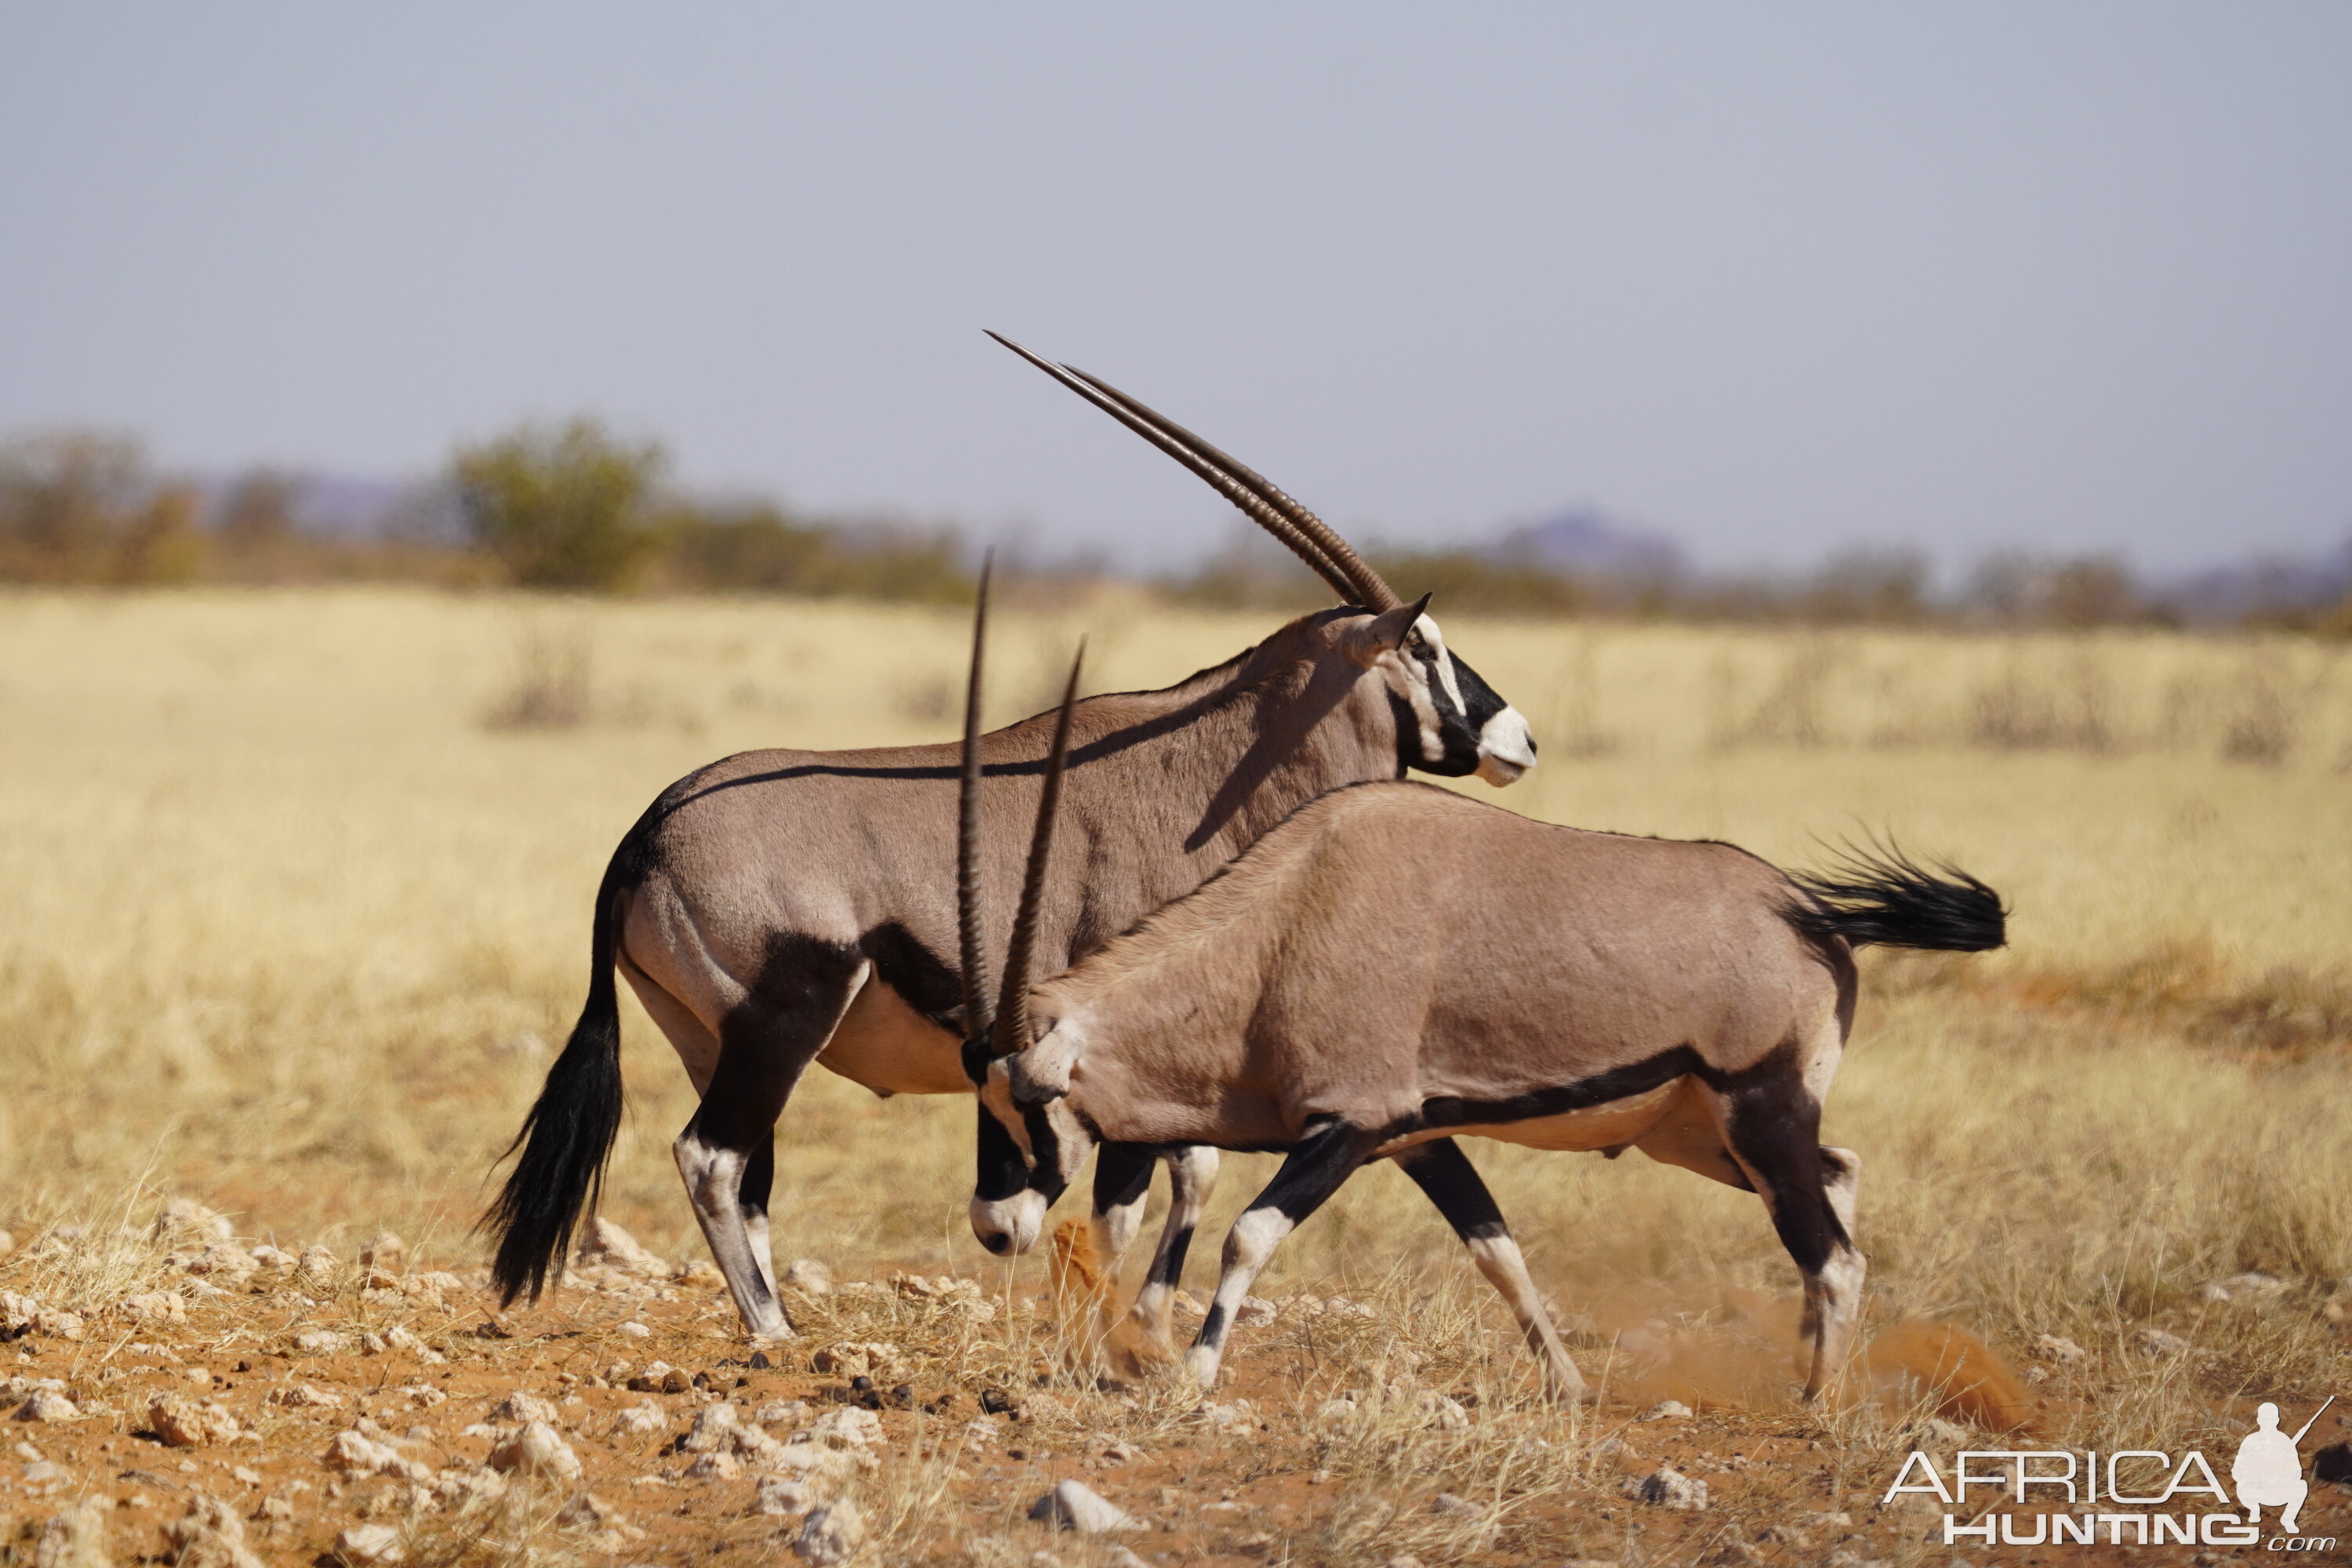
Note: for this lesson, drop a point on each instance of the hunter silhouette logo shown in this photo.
(2268, 1472)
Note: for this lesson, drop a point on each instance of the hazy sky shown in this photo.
(1772, 277)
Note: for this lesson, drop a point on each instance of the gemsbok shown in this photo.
(783, 907)
(1395, 965)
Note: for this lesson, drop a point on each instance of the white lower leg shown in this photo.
(1499, 1259)
(714, 1186)
(1251, 1242)
(1833, 1299)
(1191, 1177)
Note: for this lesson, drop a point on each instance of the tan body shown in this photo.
(1395, 966)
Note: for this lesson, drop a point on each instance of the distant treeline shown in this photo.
(574, 508)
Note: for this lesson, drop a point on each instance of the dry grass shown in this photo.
(291, 931)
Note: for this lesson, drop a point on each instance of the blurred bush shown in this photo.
(561, 506)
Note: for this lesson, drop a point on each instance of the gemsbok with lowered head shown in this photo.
(1394, 966)
(784, 907)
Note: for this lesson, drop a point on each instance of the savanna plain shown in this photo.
(297, 889)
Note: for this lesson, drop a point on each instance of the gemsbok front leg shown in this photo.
(1440, 1168)
(1317, 1166)
(1191, 1177)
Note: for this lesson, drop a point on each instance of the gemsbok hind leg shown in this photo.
(1316, 1166)
(1440, 1168)
(727, 1152)
(1191, 1177)
(1773, 1129)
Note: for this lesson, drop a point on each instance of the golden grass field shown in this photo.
(298, 910)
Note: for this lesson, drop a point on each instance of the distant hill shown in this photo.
(1585, 542)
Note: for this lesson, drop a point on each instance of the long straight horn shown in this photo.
(1356, 573)
(977, 1018)
(1306, 535)
(1012, 1000)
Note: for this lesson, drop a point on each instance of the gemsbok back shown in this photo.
(784, 907)
(1395, 966)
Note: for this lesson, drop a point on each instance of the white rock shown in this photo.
(369, 1543)
(354, 1453)
(2157, 1341)
(319, 1264)
(46, 1405)
(609, 1245)
(809, 1276)
(714, 1428)
(1445, 1414)
(185, 1217)
(320, 1341)
(1452, 1503)
(190, 1423)
(386, 1252)
(587, 1512)
(849, 1424)
(830, 1534)
(2060, 1349)
(302, 1395)
(1072, 1505)
(779, 1495)
(210, 1535)
(1666, 1486)
(538, 1450)
(636, 1331)
(777, 1410)
(714, 1468)
(1665, 1410)
(1254, 1313)
(155, 1306)
(76, 1538)
(520, 1407)
(639, 1419)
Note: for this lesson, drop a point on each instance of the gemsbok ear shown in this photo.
(1364, 641)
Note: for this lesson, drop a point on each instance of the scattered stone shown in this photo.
(269, 1257)
(1935, 1432)
(809, 1276)
(830, 1535)
(639, 1419)
(1452, 1503)
(651, 1379)
(714, 1428)
(155, 1306)
(7, 1243)
(1445, 1414)
(1254, 1313)
(2060, 1349)
(353, 1453)
(701, 1275)
(369, 1543)
(2156, 1341)
(274, 1507)
(456, 1488)
(1666, 1486)
(17, 1313)
(303, 1395)
(1665, 1410)
(636, 1331)
(777, 1410)
(76, 1538)
(187, 1217)
(854, 1358)
(849, 1426)
(715, 1467)
(1341, 1306)
(189, 1423)
(386, 1252)
(57, 1324)
(777, 1495)
(521, 1408)
(609, 1245)
(319, 1264)
(320, 1341)
(1072, 1505)
(48, 1404)
(538, 1449)
(210, 1535)
(42, 1475)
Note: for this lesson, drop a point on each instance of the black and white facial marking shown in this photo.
(1029, 1154)
(1449, 721)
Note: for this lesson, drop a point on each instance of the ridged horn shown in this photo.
(1013, 1033)
(977, 1016)
(1308, 537)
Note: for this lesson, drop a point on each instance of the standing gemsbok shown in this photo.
(779, 908)
(1395, 965)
